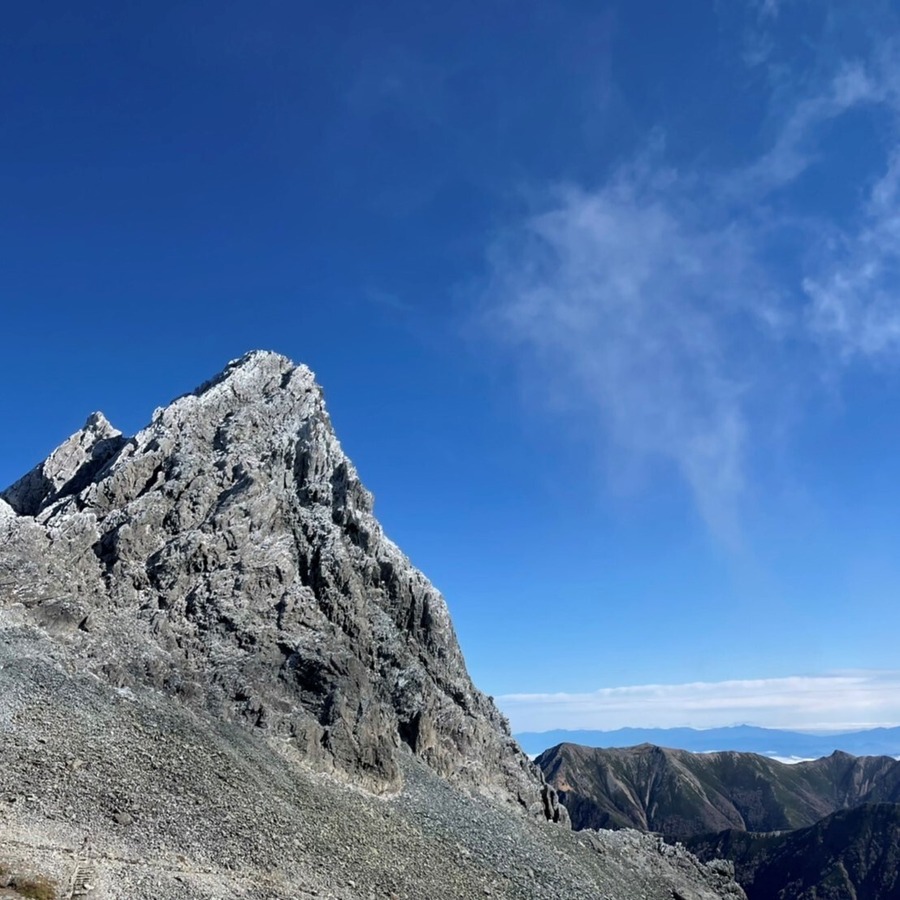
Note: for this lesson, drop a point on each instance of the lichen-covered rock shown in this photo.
(228, 554)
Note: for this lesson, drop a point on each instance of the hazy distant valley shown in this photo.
(770, 742)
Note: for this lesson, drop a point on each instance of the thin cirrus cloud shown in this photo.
(840, 701)
(794, 149)
(655, 306)
(854, 306)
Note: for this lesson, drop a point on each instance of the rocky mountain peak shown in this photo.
(228, 554)
(68, 469)
(258, 372)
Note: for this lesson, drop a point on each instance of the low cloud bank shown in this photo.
(841, 701)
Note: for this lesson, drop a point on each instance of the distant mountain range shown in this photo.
(746, 738)
(681, 794)
(826, 829)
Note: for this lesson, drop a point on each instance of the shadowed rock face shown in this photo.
(69, 469)
(850, 854)
(228, 554)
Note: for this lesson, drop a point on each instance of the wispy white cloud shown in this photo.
(855, 296)
(839, 701)
(652, 303)
(768, 9)
(760, 17)
(794, 148)
(626, 298)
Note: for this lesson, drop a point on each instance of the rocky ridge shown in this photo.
(682, 794)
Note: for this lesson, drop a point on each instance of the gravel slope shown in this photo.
(139, 797)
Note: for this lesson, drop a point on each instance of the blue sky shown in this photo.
(603, 298)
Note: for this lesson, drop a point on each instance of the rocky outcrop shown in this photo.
(68, 470)
(228, 554)
(141, 798)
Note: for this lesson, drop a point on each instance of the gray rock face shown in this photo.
(228, 554)
(69, 469)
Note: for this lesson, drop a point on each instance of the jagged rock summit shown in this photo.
(228, 554)
(68, 469)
